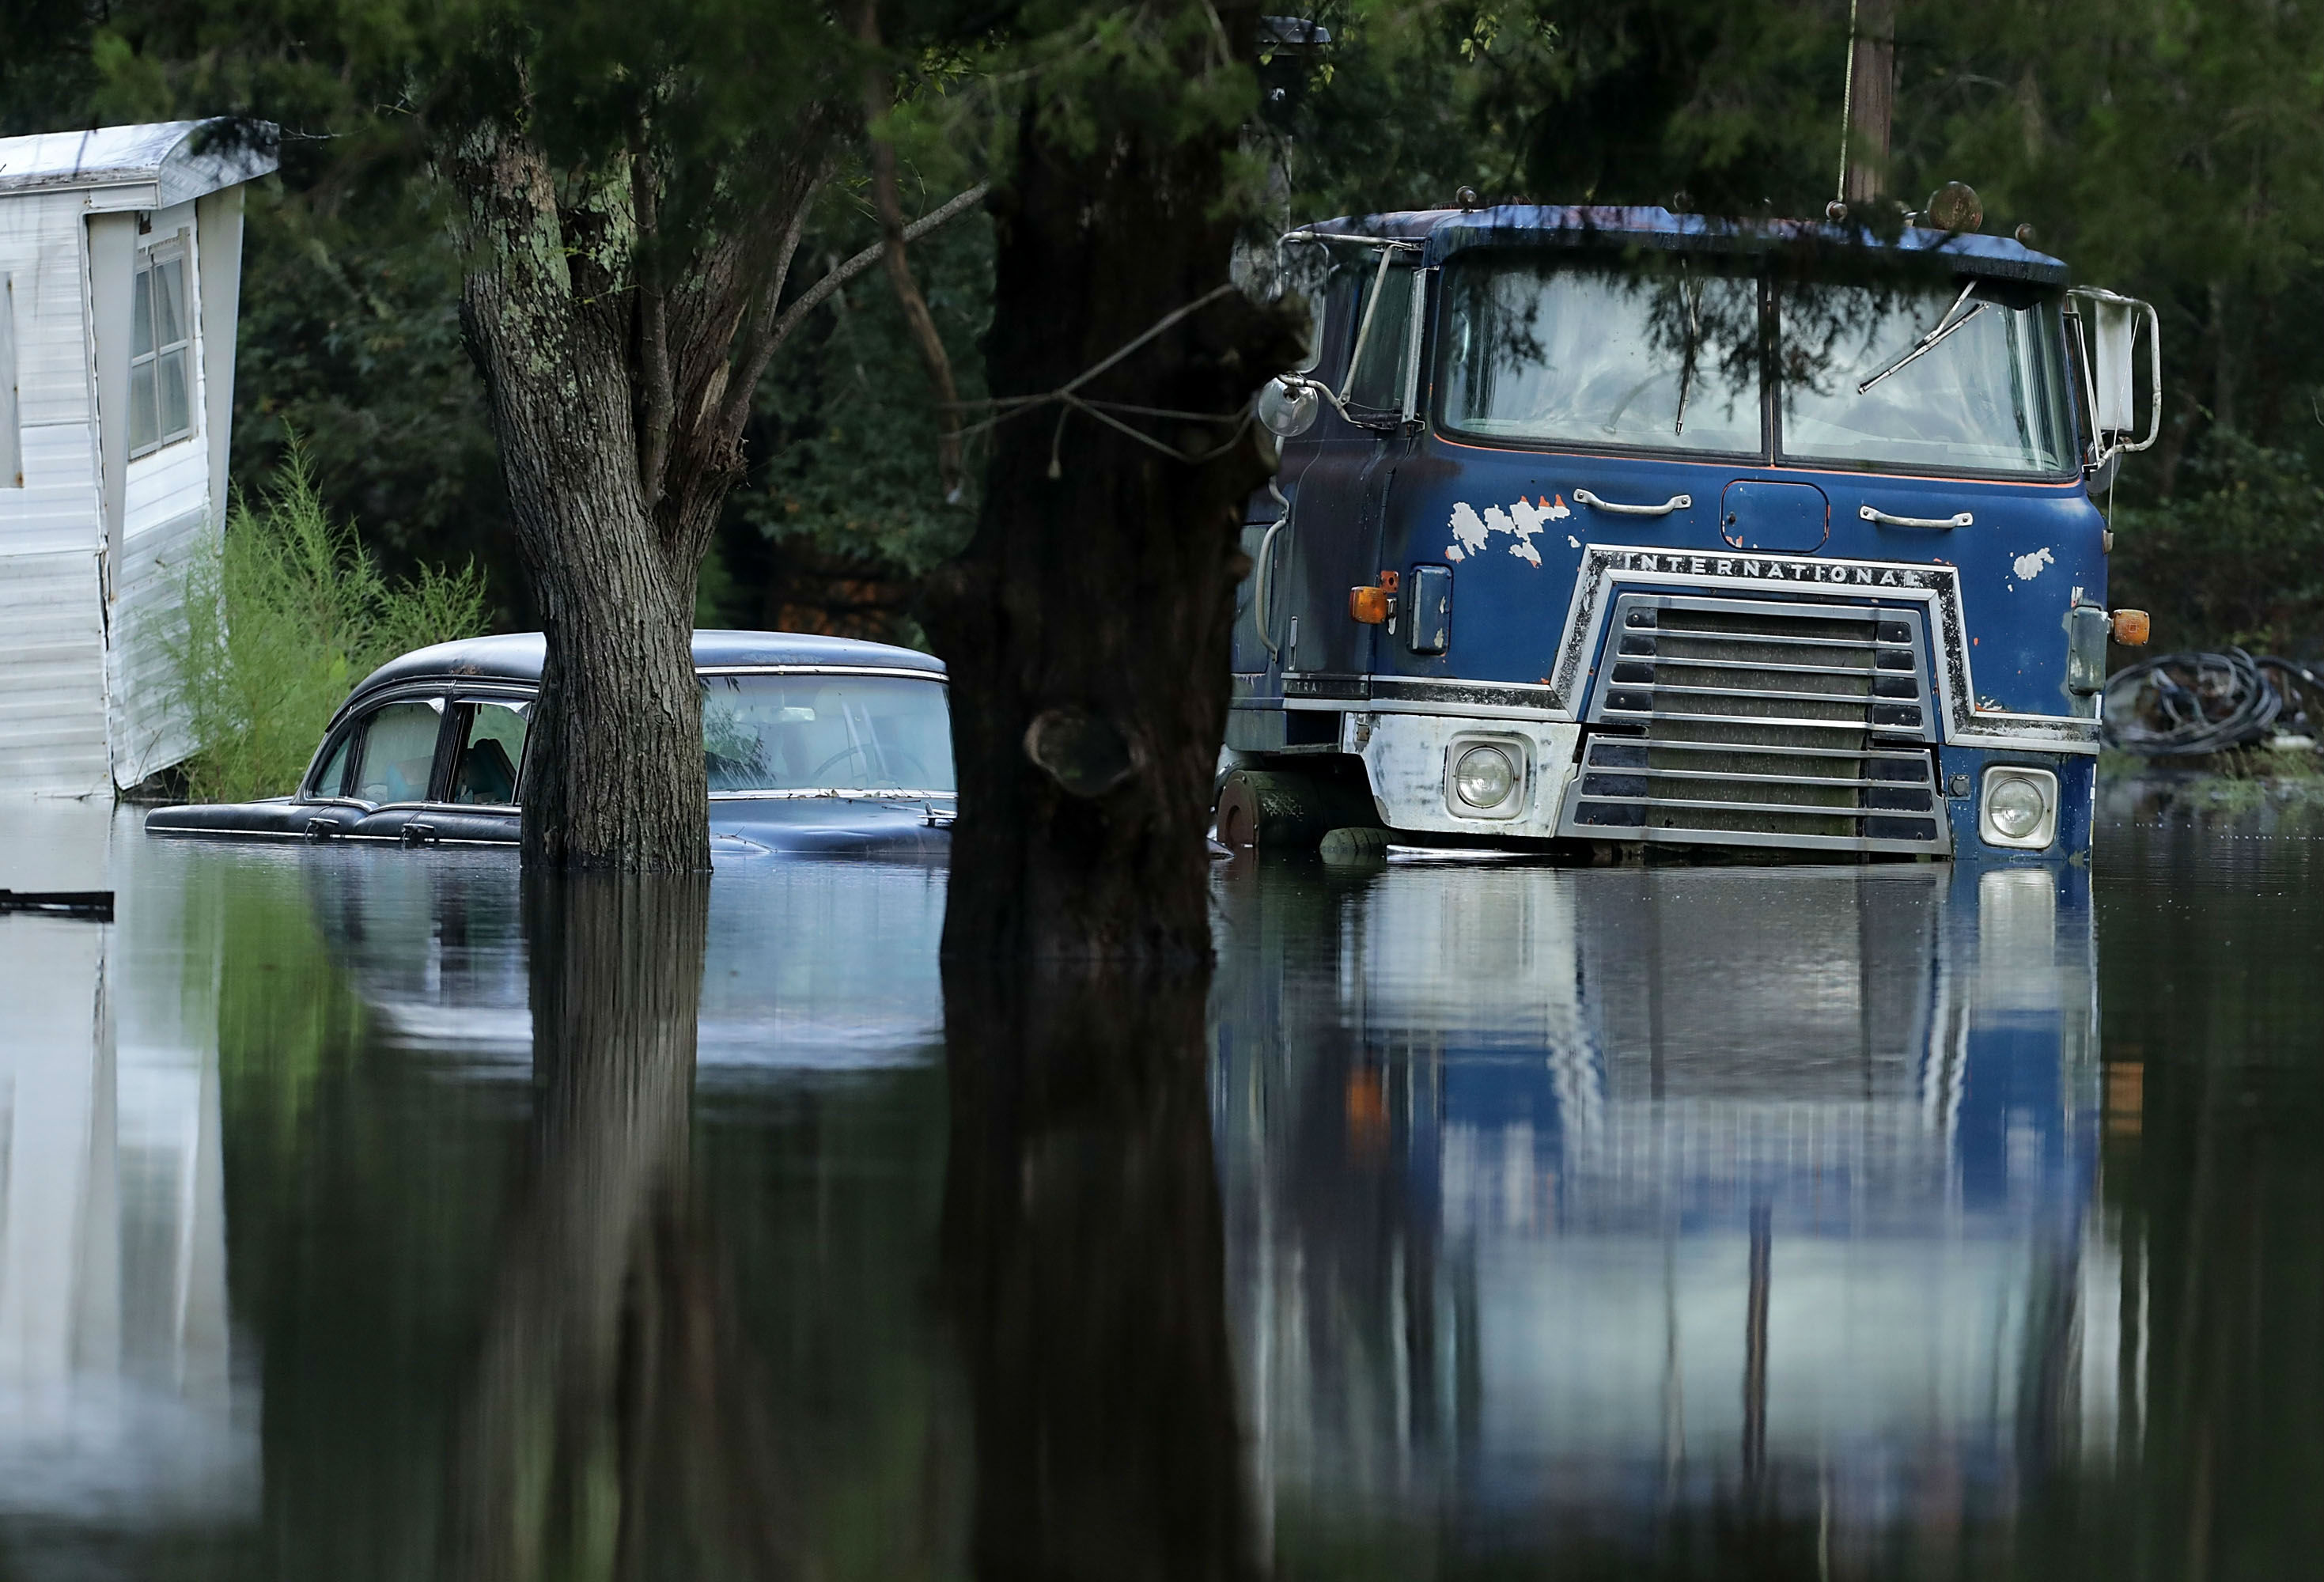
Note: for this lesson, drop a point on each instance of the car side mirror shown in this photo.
(1288, 406)
(2110, 327)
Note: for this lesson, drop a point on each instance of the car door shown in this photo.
(1343, 494)
(480, 801)
(395, 763)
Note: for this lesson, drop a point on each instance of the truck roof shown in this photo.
(1443, 231)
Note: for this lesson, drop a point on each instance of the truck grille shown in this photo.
(1734, 722)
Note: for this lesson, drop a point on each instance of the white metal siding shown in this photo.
(167, 522)
(148, 612)
(53, 735)
(82, 683)
(39, 247)
(52, 694)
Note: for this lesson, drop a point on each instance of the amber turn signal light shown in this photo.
(1373, 606)
(2131, 627)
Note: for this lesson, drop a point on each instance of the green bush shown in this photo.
(281, 621)
(2238, 559)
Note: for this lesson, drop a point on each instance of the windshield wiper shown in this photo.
(1686, 368)
(1930, 341)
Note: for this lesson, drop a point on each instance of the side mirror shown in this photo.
(2110, 327)
(1288, 406)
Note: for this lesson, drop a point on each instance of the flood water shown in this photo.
(1493, 1221)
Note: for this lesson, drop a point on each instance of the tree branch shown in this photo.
(878, 101)
(660, 397)
(775, 328)
(816, 295)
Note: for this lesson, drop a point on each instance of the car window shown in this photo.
(1377, 380)
(825, 732)
(332, 780)
(399, 752)
(491, 751)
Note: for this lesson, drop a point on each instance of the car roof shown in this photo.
(517, 656)
(1442, 232)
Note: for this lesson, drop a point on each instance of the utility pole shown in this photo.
(1871, 100)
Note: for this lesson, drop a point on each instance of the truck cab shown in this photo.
(1618, 527)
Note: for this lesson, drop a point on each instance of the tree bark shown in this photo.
(1872, 99)
(615, 773)
(1085, 1268)
(620, 346)
(1088, 621)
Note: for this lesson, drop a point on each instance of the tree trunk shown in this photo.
(1084, 1260)
(614, 773)
(1871, 100)
(1088, 621)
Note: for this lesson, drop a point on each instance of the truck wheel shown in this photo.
(1272, 810)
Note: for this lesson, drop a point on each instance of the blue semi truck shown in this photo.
(1607, 528)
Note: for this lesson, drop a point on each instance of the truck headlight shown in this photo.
(2019, 807)
(1484, 775)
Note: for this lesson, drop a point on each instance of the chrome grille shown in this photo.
(1734, 722)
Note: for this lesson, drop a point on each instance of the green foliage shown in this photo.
(2165, 151)
(2236, 558)
(1736, 104)
(844, 510)
(281, 622)
(351, 341)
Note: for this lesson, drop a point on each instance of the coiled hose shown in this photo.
(2188, 705)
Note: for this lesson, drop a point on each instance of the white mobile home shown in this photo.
(120, 264)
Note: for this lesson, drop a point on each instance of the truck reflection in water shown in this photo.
(1585, 1210)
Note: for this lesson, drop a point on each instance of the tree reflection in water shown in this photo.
(609, 1430)
(1083, 1261)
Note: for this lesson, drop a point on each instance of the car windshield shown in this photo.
(1665, 359)
(833, 731)
(1988, 395)
(1666, 355)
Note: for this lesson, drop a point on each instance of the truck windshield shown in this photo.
(833, 731)
(1666, 361)
(1666, 355)
(1989, 397)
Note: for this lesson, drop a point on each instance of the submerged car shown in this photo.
(813, 744)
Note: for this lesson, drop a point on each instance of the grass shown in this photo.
(2302, 768)
(281, 621)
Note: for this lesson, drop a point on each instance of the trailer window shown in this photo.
(1989, 397)
(12, 452)
(160, 353)
(1663, 359)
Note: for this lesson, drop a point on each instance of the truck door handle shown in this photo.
(1958, 519)
(1676, 502)
(1262, 586)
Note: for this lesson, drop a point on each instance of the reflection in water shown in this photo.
(121, 1410)
(1612, 1212)
(1617, 1223)
(808, 965)
(1082, 1255)
(610, 1431)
